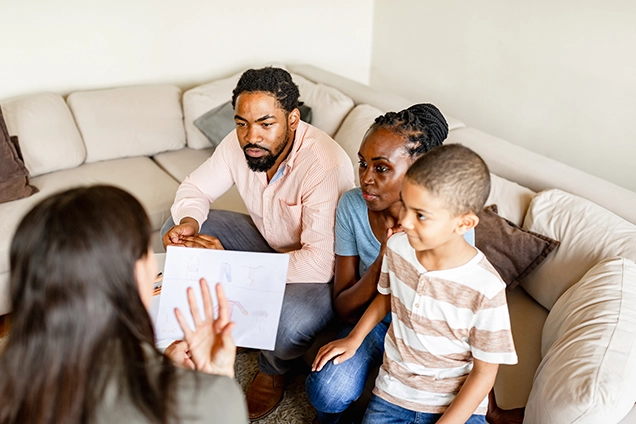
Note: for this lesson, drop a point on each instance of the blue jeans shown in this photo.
(380, 411)
(306, 306)
(334, 388)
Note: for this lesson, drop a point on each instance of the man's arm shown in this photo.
(199, 189)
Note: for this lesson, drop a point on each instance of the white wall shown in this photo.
(68, 45)
(557, 77)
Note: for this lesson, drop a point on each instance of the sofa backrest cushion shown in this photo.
(49, 138)
(588, 371)
(512, 199)
(328, 105)
(129, 121)
(200, 100)
(588, 234)
(353, 129)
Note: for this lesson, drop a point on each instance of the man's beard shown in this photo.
(264, 163)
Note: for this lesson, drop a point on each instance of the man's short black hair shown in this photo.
(275, 81)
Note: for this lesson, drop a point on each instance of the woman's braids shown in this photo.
(422, 124)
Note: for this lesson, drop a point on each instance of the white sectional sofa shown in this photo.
(573, 317)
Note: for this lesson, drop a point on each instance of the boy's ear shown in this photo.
(466, 222)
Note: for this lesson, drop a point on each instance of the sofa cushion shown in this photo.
(513, 252)
(353, 129)
(49, 138)
(14, 177)
(329, 106)
(512, 199)
(181, 163)
(588, 234)
(140, 176)
(201, 99)
(129, 121)
(527, 317)
(588, 371)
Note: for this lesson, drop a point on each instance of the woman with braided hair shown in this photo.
(365, 218)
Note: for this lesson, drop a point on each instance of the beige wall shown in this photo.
(68, 45)
(557, 77)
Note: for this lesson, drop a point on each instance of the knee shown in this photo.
(328, 392)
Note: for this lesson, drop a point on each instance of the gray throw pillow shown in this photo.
(219, 122)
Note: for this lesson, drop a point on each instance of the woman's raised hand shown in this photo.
(210, 346)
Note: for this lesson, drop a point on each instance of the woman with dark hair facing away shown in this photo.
(81, 346)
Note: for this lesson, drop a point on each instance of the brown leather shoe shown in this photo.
(264, 394)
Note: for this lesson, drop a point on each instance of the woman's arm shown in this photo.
(353, 294)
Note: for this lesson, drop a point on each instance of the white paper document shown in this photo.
(254, 285)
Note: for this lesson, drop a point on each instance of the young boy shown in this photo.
(450, 327)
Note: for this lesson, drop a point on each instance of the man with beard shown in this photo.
(290, 176)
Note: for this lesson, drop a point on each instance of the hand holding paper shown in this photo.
(210, 345)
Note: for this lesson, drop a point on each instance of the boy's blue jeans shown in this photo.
(380, 411)
(335, 387)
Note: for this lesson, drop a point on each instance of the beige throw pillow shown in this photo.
(588, 371)
(588, 234)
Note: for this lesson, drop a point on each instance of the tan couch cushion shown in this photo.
(588, 234)
(512, 199)
(514, 382)
(49, 138)
(140, 176)
(200, 100)
(129, 121)
(588, 371)
(329, 106)
(353, 129)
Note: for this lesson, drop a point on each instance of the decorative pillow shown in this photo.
(219, 122)
(513, 252)
(588, 234)
(588, 371)
(14, 177)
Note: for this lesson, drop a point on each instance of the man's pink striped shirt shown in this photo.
(295, 213)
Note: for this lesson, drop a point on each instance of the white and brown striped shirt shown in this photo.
(295, 213)
(441, 320)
